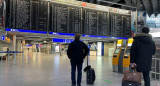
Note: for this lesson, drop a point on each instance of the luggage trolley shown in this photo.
(126, 57)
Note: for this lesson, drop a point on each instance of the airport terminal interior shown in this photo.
(35, 35)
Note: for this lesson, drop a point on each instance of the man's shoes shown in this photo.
(78, 85)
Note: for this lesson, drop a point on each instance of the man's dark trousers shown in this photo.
(146, 78)
(73, 73)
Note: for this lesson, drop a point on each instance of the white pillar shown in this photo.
(99, 48)
(14, 42)
(23, 44)
(115, 44)
(18, 45)
(14, 49)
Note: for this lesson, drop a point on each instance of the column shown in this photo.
(23, 44)
(19, 45)
(109, 49)
(0, 46)
(99, 48)
(14, 49)
(14, 42)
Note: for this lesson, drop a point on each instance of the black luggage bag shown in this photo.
(129, 83)
(90, 76)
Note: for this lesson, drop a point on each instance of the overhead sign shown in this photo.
(73, 2)
(83, 4)
(121, 11)
(2, 37)
(95, 6)
(62, 40)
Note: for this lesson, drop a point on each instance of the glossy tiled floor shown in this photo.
(53, 70)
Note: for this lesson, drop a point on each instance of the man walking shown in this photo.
(142, 49)
(76, 52)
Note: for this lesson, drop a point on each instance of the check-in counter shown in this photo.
(126, 57)
(116, 55)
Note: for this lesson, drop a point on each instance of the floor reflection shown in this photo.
(42, 69)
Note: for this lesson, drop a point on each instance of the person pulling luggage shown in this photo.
(77, 51)
(142, 49)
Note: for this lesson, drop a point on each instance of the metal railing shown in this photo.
(155, 73)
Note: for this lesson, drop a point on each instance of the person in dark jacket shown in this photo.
(142, 50)
(77, 51)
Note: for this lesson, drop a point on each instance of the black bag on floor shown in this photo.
(128, 83)
(90, 76)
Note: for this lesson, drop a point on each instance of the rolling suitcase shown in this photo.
(90, 76)
(129, 83)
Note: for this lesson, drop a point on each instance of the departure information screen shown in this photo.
(120, 25)
(27, 14)
(65, 18)
(41, 15)
(95, 22)
(103, 23)
(90, 22)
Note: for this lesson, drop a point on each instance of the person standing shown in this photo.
(142, 50)
(77, 51)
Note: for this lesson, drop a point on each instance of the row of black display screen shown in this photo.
(55, 17)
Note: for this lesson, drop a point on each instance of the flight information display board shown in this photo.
(75, 15)
(60, 18)
(116, 25)
(65, 18)
(95, 22)
(34, 15)
(13, 14)
(22, 14)
(40, 15)
(127, 26)
(90, 20)
(27, 15)
(120, 25)
(43, 16)
(103, 28)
